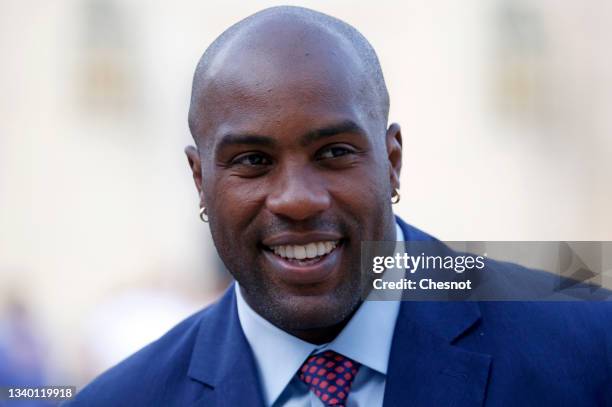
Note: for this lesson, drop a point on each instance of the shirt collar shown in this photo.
(366, 339)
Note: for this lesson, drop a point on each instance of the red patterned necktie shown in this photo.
(329, 375)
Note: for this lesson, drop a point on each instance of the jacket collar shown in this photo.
(426, 368)
(222, 359)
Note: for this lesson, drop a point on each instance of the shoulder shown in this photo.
(555, 339)
(547, 307)
(147, 376)
(565, 346)
(587, 321)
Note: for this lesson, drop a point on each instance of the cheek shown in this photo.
(365, 198)
(364, 188)
(234, 203)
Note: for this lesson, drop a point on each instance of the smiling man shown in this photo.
(295, 166)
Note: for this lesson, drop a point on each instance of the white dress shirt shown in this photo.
(278, 355)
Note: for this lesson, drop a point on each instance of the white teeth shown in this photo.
(307, 251)
(321, 249)
(299, 252)
(311, 250)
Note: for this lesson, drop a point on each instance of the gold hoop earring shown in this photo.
(395, 198)
(204, 214)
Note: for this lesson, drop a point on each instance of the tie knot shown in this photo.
(329, 375)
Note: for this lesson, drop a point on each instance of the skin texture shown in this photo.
(290, 143)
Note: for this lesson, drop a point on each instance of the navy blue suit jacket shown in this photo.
(443, 354)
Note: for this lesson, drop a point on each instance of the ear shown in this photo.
(394, 153)
(193, 157)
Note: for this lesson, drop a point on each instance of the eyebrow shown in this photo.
(245, 139)
(347, 126)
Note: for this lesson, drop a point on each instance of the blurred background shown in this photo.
(504, 104)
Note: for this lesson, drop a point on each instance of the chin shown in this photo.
(315, 312)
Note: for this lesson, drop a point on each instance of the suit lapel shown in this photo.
(425, 367)
(222, 359)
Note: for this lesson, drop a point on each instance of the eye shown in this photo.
(252, 159)
(333, 152)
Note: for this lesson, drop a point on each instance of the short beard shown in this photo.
(289, 314)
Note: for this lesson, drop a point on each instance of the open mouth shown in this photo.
(299, 259)
(305, 254)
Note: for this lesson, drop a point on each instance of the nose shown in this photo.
(299, 194)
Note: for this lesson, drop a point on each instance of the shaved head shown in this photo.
(279, 36)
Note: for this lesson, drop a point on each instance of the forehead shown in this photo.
(282, 76)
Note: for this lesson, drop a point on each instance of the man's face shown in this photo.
(295, 173)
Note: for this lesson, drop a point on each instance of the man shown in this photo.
(295, 166)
